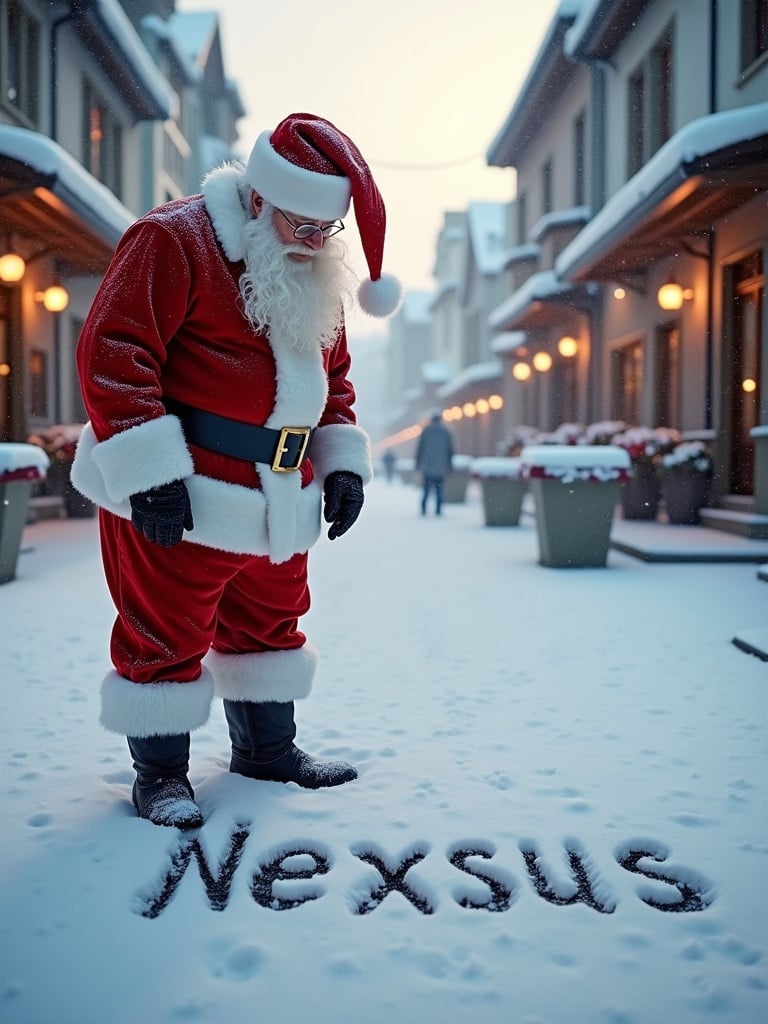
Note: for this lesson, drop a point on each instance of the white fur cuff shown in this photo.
(341, 446)
(155, 709)
(145, 456)
(266, 676)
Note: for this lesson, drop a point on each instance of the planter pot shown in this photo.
(640, 495)
(759, 437)
(576, 489)
(14, 499)
(573, 521)
(684, 495)
(22, 466)
(502, 500)
(455, 486)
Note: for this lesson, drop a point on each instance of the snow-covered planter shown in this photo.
(686, 476)
(641, 494)
(576, 489)
(502, 487)
(21, 467)
(759, 437)
(406, 470)
(455, 484)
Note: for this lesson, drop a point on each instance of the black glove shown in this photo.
(163, 513)
(343, 501)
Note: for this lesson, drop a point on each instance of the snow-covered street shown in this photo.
(561, 813)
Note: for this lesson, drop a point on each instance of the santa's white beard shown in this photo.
(301, 304)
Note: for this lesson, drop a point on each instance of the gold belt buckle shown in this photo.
(282, 448)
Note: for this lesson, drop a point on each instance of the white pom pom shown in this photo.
(380, 298)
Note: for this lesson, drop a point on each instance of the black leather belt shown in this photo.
(283, 449)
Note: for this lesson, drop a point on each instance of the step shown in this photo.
(46, 506)
(745, 524)
(753, 641)
(762, 572)
(737, 502)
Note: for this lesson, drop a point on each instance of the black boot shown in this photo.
(263, 748)
(162, 793)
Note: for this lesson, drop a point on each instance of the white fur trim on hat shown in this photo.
(381, 297)
(263, 676)
(155, 709)
(293, 188)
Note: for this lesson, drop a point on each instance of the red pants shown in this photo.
(173, 604)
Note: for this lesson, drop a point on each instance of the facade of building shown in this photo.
(650, 169)
(105, 110)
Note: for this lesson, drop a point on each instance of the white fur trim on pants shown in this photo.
(155, 709)
(269, 675)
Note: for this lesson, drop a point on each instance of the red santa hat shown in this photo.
(310, 168)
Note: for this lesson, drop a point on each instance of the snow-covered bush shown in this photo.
(688, 457)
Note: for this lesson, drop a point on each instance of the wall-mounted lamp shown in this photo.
(521, 371)
(671, 295)
(542, 361)
(482, 406)
(496, 402)
(12, 268)
(55, 298)
(619, 293)
(469, 409)
(567, 346)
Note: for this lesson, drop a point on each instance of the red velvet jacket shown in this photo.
(166, 322)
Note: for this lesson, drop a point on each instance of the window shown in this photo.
(38, 383)
(579, 159)
(649, 104)
(666, 411)
(754, 30)
(627, 382)
(21, 63)
(102, 141)
(546, 186)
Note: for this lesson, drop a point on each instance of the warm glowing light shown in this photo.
(496, 402)
(749, 385)
(619, 293)
(567, 346)
(457, 413)
(671, 295)
(12, 268)
(448, 415)
(4, 369)
(54, 298)
(469, 409)
(482, 406)
(542, 361)
(521, 371)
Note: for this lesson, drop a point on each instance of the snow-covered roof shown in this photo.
(508, 341)
(435, 372)
(539, 286)
(119, 28)
(549, 55)
(486, 221)
(193, 32)
(67, 179)
(558, 219)
(474, 374)
(660, 176)
(528, 251)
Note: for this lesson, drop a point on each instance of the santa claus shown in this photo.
(214, 368)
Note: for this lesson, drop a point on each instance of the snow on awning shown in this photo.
(478, 373)
(543, 300)
(508, 342)
(707, 169)
(47, 195)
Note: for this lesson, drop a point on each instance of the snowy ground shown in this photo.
(589, 742)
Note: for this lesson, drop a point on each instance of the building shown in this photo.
(105, 110)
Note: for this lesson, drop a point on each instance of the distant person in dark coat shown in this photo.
(388, 460)
(434, 459)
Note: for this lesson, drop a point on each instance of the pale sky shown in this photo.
(421, 86)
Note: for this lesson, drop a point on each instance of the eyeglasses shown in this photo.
(302, 231)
